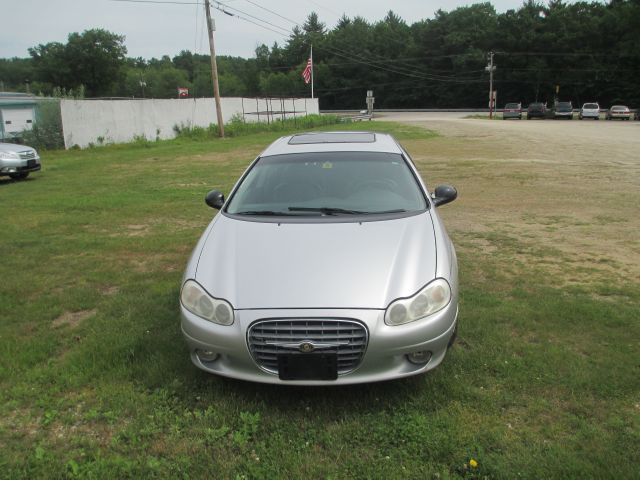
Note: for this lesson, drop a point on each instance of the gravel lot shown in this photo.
(568, 192)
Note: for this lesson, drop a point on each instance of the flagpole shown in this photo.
(311, 71)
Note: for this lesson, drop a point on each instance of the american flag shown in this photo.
(306, 73)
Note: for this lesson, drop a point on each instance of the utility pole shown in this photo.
(214, 69)
(491, 68)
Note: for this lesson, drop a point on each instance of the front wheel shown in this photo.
(19, 176)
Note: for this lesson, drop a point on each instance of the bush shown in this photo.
(46, 133)
(238, 127)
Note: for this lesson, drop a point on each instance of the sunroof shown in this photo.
(332, 137)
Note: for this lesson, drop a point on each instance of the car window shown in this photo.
(512, 105)
(591, 105)
(366, 182)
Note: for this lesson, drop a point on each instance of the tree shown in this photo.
(94, 58)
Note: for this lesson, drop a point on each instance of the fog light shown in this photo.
(206, 355)
(419, 358)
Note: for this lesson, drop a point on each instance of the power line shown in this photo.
(424, 75)
(224, 6)
(159, 1)
(274, 13)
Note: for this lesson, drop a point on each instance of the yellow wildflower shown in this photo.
(473, 463)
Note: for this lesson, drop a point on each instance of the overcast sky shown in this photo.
(153, 29)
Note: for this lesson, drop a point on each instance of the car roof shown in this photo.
(356, 141)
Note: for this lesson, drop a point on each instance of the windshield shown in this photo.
(512, 105)
(591, 106)
(563, 106)
(328, 183)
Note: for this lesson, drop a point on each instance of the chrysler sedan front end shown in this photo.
(328, 264)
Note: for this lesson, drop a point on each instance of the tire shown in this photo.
(19, 176)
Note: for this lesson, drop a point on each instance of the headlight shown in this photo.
(9, 156)
(431, 299)
(197, 301)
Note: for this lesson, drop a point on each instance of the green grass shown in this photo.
(96, 382)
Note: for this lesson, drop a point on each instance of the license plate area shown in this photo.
(31, 163)
(308, 366)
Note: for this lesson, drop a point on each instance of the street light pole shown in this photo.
(214, 69)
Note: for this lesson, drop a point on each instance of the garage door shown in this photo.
(16, 120)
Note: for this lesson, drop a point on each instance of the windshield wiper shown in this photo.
(326, 210)
(344, 211)
(263, 212)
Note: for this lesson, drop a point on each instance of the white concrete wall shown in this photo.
(120, 121)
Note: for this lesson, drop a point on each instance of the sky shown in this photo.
(156, 29)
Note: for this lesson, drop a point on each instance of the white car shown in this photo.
(590, 110)
(18, 161)
(327, 264)
(618, 111)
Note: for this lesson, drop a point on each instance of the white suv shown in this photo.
(590, 110)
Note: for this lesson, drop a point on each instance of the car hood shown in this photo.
(12, 147)
(259, 265)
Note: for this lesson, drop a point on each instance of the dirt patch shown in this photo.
(110, 290)
(73, 319)
(562, 195)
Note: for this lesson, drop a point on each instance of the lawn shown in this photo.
(96, 382)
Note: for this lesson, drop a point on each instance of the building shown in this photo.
(17, 113)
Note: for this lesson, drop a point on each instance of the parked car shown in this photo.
(618, 111)
(512, 110)
(537, 109)
(327, 264)
(590, 110)
(563, 110)
(18, 161)
(637, 117)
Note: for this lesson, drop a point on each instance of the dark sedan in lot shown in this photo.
(536, 110)
(563, 110)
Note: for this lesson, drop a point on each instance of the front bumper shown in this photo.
(517, 115)
(563, 115)
(384, 359)
(622, 116)
(13, 166)
(591, 114)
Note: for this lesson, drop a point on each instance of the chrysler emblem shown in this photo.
(306, 347)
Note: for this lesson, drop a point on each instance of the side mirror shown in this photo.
(444, 194)
(214, 199)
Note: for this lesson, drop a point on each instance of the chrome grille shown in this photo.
(268, 338)
(27, 155)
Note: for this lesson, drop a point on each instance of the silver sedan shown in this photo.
(18, 161)
(327, 264)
